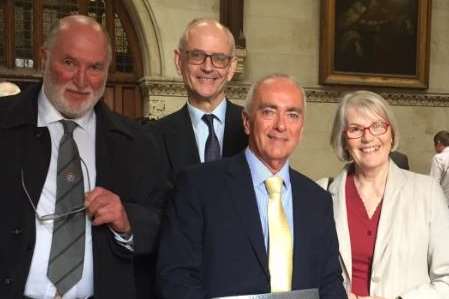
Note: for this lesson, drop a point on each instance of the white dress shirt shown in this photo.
(439, 169)
(201, 130)
(38, 285)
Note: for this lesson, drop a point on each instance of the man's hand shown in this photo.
(105, 207)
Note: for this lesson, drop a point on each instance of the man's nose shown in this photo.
(207, 65)
(280, 122)
(80, 79)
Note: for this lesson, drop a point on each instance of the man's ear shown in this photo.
(178, 62)
(232, 68)
(246, 122)
(43, 57)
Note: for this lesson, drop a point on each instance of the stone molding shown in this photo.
(157, 90)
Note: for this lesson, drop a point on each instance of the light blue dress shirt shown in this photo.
(201, 130)
(259, 173)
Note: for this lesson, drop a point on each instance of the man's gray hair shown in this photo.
(255, 86)
(62, 23)
(183, 40)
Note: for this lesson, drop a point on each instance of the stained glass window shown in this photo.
(123, 57)
(2, 33)
(53, 10)
(24, 33)
(26, 41)
(96, 9)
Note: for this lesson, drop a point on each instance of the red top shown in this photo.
(363, 232)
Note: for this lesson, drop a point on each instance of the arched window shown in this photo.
(24, 25)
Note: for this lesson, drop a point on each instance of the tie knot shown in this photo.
(208, 119)
(273, 185)
(69, 126)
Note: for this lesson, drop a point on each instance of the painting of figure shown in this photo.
(375, 42)
(376, 36)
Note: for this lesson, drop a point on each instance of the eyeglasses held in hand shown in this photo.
(197, 57)
(53, 217)
(376, 129)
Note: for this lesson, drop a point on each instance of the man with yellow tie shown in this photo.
(250, 224)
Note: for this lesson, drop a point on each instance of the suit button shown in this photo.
(17, 231)
(7, 281)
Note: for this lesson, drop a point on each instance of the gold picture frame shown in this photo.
(375, 43)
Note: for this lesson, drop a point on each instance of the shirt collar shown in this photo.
(47, 113)
(260, 172)
(196, 114)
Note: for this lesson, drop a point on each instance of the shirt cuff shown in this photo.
(125, 240)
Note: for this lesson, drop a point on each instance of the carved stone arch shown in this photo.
(149, 39)
(150, 43)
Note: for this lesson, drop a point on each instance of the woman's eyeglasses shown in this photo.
(54, 216)
(376, 129)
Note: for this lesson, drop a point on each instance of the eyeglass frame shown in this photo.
(54, 216)
(363, 129)
(211, 56)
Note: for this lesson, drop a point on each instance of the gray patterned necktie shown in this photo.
(65, 266)
(212, 149)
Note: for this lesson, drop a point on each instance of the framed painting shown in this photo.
(375, 43)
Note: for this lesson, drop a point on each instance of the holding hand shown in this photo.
(105, 207)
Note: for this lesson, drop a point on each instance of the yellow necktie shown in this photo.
(280, 244)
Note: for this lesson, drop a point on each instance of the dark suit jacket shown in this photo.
(126, 161)
(177, 138)
(212, 244)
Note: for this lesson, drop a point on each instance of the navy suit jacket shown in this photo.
(127, 162)
(212, 244)
(178, 142)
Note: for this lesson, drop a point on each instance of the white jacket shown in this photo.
(411, 256)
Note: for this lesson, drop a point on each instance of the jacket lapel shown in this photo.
(395, 183)
(337, 190)
(106, 146)
(32, 142)
(180, 142)
(233, 129)
(34, 170)
(244, 198)
(299, 219)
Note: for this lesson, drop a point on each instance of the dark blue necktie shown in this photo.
(212, 149)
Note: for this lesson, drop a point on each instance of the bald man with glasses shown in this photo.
(209, 126)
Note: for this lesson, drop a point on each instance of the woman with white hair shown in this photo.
(392, 224)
